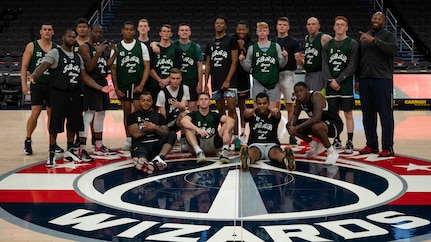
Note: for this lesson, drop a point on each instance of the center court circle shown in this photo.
(365, 196)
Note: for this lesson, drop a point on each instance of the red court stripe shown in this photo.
(413, 198)
(41, 196)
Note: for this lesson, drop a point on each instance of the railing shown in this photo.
(407, 41)
(378, 3)
(97, 16)
(391, 21)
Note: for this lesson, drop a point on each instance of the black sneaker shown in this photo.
(85, 157)
(58, 149)
(76, 145)
(337, 145)
(348, 149)
(27, 147)
(50, 162)
(71, 156)
(292, 140)
(243, 158)
(289, 159)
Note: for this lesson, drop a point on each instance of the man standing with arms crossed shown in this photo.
(95, 102)
(39, 90)
(287, 73)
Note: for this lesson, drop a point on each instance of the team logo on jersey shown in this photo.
(360, 198)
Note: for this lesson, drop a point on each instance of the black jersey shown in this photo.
(329, 112)
(263, 129)
(151, 116)
(219, 51)
(66, 75)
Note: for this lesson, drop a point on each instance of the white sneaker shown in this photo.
(50, 162)
(159, 162)
(71, 156)
(127, 145)
(331, 155)
(243, 139)
(201, 157)
(315, 149)
(104, 151)
(224, 156)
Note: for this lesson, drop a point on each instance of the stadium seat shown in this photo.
(12, 92)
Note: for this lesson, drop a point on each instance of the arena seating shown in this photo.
(415, 18)
(20, 20)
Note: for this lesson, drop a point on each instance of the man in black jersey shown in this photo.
(95, 102)
(221, 58)
(67, 73)
(263, 143)
(323, 122)
(151, 138)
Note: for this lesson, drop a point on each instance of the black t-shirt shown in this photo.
(139, 117)
(263, 129)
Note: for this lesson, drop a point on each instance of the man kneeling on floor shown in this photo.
(263, 143)
(203, 133)
(323, 122)
(151, 138)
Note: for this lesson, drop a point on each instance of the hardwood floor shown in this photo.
(412, 138)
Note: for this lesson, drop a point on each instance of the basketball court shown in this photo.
(360, 198)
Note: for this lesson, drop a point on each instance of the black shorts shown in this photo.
(340, 103)
(128, 92)
(193, 93)
(334, 127)
(150, 149)
(40, 94)
(174, 127)
(95, 100)
(66, 105)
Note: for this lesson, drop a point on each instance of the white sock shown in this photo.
(225, 147)
(196, 148)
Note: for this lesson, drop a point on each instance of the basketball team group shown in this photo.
(165, 88)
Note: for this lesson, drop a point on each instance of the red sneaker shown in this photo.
(386, 153)
(368, 150)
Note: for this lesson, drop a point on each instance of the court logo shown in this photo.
(360, 198)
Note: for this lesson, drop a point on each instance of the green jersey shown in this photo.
(265, 67)
(313, 53)
(36, 60)
(338, 59)
(130, 64)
